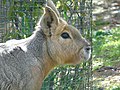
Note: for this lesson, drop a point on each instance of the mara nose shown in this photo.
(88, 48)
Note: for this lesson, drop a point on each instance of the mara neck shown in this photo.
(38, 46)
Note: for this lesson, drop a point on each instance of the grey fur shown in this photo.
(15, 63)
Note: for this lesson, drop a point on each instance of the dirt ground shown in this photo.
(107, 78)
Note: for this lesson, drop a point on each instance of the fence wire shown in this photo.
(18, 19)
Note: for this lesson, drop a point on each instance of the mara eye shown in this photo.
(65, 35)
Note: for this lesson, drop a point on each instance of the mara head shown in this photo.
(65, 44)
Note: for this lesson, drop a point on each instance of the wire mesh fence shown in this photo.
(18, 19)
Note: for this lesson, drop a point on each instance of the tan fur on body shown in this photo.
(25, 63)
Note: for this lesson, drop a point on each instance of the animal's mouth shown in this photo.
(87, 52)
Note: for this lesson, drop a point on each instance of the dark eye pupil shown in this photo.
(65, 35)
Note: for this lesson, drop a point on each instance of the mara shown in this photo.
(25, 63)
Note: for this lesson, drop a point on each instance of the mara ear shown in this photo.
(52, 5)
(49, 19)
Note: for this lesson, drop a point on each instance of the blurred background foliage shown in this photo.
(23, 16)
(107, 46)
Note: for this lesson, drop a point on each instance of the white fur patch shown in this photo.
(87, 53)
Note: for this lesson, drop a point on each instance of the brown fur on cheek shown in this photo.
(75, 56)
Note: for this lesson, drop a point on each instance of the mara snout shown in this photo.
(87, 52)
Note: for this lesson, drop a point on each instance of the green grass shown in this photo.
(106, 46)
(106, 52)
